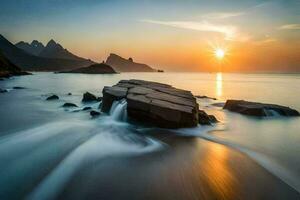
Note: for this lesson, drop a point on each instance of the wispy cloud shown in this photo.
(290, 27)
(229, 31)
(222, 15)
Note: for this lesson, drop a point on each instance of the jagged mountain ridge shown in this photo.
(34, 48)
(31, 62)
(51, 50)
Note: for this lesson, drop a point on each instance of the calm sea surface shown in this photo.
(44, 146)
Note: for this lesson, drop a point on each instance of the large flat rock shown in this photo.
(156, 103)
(258, 109)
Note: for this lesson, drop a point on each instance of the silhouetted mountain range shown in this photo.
(35, 48)
(55, 61)
(127, 65)
(53, 57)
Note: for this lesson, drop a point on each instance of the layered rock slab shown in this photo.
(258, 109)
(156, 103)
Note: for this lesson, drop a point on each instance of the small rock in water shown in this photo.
(87, 108)
(205, 97)
(3, 90)
(69, 93)
(87, 97)
(52, 97)
(18, 88)
(218, 104)
(68, 105)
(258, 109)
(205, 119)
(94, 113)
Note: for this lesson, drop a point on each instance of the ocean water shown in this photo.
(44, 146)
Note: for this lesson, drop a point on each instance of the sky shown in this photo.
(174, 35)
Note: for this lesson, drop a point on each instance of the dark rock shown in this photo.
(111, 94)
(258, 109)
(69, 105)
(88, 97)
(205, 97)
(218, 104)
(69, 93)
(205, 119)
(87, 108)
(3, 90)
(156, 103)
(94, 113)
(52, 97)
(18, 88)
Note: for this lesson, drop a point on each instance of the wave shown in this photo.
(97, 147)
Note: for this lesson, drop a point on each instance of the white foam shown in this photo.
(118, 110)
(97, 147)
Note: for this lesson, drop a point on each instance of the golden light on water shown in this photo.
(219, 85)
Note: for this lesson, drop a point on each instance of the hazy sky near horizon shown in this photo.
(175, 35)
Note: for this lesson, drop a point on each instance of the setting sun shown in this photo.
(219, 53)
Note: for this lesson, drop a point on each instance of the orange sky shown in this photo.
(173, 35)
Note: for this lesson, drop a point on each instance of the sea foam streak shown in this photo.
(116, 140)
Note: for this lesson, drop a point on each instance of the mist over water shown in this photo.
(43, 146)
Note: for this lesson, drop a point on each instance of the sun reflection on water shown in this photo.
(219, 85)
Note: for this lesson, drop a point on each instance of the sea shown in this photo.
(51, 152)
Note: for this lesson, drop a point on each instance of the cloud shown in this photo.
(222, 15)
(230, 32)
(290, 27)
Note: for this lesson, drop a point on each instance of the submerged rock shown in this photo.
(52, 97)
(205, 119)
(258, 109)
(69, 105)
(87, 108)
(205, 97)
(3, 90)
(88, 97)
(94, 113)
(157, 103)
(18, 88)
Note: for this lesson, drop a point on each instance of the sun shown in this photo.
(219, 53)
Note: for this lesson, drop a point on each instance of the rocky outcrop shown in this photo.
(88, 97)
(205, 119)
(93, 69)
(52, 97)
(156, 103)
(69, 105)
(258, 109)
(94, 113)
(126, 65)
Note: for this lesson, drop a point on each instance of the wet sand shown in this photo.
(188, 168)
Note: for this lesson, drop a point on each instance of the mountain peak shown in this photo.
(51, 43)
(36, 43)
